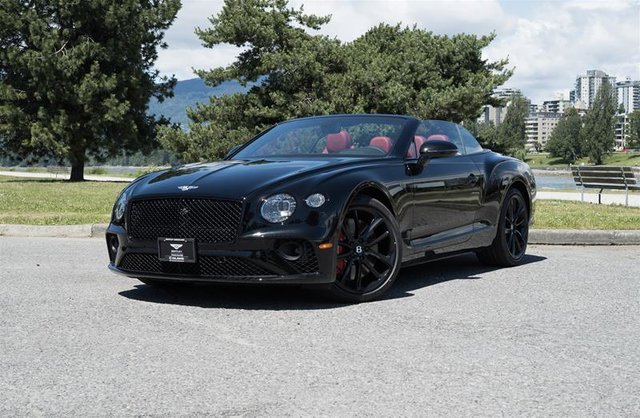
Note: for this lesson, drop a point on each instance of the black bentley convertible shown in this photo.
(339, 202)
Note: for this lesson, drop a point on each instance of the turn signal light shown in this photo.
(325, 246)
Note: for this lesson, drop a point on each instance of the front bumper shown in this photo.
(249, 259)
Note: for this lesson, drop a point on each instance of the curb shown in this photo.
(583, 237)
(536, 236)
(54, 231)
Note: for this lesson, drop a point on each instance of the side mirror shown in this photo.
(436, 148)
(231, 151)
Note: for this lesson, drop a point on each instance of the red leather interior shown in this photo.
(441, 137)
(382, 142)
(337, 142)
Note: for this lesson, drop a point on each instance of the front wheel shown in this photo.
(510, 244)
(369, 252)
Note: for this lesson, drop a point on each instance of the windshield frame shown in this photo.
(408, 126)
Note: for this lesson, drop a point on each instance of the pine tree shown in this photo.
(512, 131)
(389, 69)
(597, 133)
(76, 76)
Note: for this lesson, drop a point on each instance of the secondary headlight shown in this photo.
(278, 208)
(315, 200)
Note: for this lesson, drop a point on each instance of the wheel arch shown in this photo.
(373, 190)
(519, 185)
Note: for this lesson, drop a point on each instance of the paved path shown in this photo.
(63, 176)
(591, 196)
(555, 337)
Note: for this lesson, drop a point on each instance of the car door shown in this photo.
(446, 193)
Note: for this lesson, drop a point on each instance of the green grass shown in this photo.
(617, 158)
(557, 214)
(55, 202)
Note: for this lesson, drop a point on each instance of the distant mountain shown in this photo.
(188, 93)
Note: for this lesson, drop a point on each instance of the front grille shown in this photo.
(206, 220)
(206, 266)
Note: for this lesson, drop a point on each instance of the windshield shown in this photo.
(357, 136)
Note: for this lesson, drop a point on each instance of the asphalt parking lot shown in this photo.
(556, 336)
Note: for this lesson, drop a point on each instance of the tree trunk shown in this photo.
(77, 168)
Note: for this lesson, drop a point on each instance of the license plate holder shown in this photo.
(177, 250)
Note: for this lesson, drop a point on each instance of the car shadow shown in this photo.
(278, 297)
(460, 267)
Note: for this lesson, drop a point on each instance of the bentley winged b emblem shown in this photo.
(185, 188)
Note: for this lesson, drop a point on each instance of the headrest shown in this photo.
(382, 142)
(441, 137)
(338, 142)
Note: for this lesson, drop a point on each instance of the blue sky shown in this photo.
(547, 42)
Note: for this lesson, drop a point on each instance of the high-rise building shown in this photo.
(495, 114)
(539, 127)
(587, 86)
(628, 95)
(556, 106)
(621, 130)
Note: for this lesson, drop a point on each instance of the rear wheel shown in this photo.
(369, 252)
(510, 244)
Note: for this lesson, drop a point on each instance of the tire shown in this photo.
(369, 252)
(510, 244)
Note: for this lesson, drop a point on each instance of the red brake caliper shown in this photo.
(340, 265)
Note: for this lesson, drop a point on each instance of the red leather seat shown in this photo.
(382, 142)
(337, 142)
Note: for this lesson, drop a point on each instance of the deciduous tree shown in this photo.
(633, 140)
(565, 141)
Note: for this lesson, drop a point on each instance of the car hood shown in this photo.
(228, 179)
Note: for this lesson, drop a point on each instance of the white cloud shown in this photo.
(558, 41)
(548, 42)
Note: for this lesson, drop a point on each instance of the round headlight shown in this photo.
(278, 208)
(315, 200)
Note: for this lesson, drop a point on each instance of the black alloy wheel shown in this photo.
(510, 244)
(369, 252)
(516, 226)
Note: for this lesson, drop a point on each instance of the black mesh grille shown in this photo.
(205, 267)
(206, 220)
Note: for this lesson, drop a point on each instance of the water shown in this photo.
(554, 181)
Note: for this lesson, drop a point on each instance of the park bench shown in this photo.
(58, 169)
(603, 177)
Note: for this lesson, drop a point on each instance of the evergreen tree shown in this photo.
(485, 133)
(565, 141)
(512, 131)
(389, 69)
(76, 76)
(633, 140)
(597, 133)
